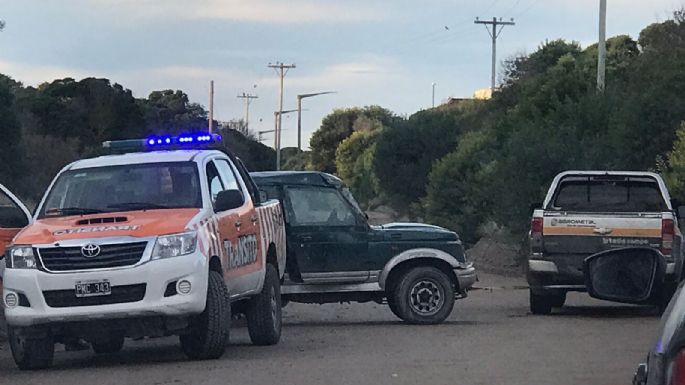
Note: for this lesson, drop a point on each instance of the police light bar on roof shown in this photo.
(190, 140)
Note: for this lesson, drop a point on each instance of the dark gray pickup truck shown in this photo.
(334, 255)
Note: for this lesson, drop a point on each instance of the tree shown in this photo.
(340, 124)
(354, 164)
(405, 153)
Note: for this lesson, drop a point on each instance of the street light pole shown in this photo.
(299, 114)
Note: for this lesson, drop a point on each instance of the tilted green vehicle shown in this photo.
(334, 255)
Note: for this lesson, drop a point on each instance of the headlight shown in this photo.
(21, 257)
(175, 245)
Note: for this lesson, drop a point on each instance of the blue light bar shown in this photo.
(183, 139)
(189, 140)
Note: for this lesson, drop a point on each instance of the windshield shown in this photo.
(124, 188)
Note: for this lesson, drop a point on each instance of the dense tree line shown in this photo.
(46, 127)
(471, 163)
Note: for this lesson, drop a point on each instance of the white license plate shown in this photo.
(93, 288)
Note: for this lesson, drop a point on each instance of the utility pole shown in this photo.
(299, 114)
(433, 86)
(494, 34)
(278, 117)
(211, 106)
(282, 70)
(602, 45)
(247, 97)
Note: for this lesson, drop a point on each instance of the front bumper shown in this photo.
(156, 275)
(466, 277)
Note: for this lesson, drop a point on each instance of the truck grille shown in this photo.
(71, 258)
(120, 294)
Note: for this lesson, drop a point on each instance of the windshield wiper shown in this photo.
(71, 211)
(137, 206)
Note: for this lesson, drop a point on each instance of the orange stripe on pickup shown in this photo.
(590, 231)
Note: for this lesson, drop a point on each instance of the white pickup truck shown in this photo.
(151, 243)
(586, 212)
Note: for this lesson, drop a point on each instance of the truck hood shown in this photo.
(131, 223)
(415, 232)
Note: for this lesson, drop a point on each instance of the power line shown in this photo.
(494, 34)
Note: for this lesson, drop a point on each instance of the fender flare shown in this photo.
(419, 253)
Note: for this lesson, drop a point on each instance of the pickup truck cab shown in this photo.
(151, 243)
(586, 212)
(334, 255)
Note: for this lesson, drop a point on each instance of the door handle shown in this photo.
(602, 230)
(305, 238)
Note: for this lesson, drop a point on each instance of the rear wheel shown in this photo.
(264, 311)
(559, 300)
(208, 334)
(540, 303)
(30, 352)
(423, 295)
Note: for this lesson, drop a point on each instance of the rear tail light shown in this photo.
(667, 234)
(536, 226)
(678, 369)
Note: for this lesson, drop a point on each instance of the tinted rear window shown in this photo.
(611, 195)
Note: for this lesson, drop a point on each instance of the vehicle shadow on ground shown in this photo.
(607, 311)
(398, 323)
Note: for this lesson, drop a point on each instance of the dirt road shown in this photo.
(489, 339)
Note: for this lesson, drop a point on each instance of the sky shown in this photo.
(370, 52)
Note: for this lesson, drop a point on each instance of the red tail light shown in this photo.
(667, 233)
(678, 369)
(536, 226)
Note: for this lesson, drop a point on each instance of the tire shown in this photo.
(31, 353)
(423, 296)
(208, 331)
(559, 300)
(264, 314)
(393, 307)
(541, 304)
(113, 345)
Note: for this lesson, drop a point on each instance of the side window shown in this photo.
(213, 181)
(11, 215)
(318, 206)
(227, 175)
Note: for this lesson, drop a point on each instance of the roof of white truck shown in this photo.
(143, 157)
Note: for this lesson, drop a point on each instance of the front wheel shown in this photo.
(423, 295)
(264, 311)
(30, 352)
(208, 332)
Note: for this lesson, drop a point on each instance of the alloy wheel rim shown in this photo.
(426, 297)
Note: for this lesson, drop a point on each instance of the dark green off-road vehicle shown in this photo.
(334, 255)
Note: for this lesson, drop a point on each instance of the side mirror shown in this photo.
(229, 200)
(629, 275)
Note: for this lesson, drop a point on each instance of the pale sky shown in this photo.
(379, 52)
